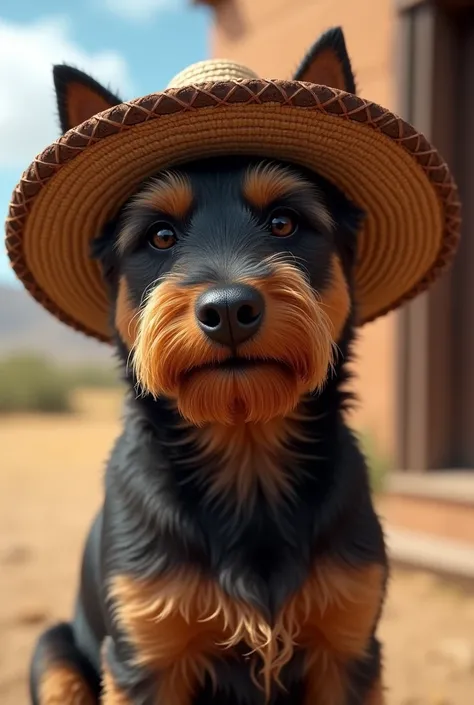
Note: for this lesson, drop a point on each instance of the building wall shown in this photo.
(271, 37)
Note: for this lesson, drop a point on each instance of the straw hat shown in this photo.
(380, 162)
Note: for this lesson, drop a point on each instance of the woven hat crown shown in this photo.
(211, 70)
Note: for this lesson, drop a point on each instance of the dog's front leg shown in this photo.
(335, 680)
(162, 641)
(123, 681)
(343, 657)
(126, 682)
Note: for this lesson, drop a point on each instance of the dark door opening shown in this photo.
(435, 375)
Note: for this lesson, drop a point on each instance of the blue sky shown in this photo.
(133, 46)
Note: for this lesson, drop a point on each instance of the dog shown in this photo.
(237, 557)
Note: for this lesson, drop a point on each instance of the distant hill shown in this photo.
(25, 326)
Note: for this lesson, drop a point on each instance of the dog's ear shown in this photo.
(79, 96)
(327, 62)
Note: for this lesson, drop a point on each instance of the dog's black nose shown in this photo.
(230, 315)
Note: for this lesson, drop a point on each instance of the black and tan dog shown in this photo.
(237, 558)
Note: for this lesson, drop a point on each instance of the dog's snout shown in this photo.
(230, 315)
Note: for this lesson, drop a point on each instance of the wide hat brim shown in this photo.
(383, 164)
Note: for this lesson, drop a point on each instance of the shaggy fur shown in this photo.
(237, 557)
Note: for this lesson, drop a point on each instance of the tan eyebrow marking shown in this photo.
(265, 183)
(170, 194)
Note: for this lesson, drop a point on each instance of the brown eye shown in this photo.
(283, 223)
(161, 236)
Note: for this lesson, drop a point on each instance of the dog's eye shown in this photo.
(161, 236)
(283, 223)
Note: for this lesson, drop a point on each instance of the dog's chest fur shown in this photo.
(240, 569)
(228, 499)
(188, 617)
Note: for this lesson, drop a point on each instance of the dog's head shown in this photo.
(231, 277)
(232, 280)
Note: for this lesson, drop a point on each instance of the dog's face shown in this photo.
(233, 286)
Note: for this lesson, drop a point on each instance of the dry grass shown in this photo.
(50, 486)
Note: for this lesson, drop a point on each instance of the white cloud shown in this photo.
(28, 115)
(142, 10)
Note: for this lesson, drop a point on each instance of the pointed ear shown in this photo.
(327, 63)
(79, 96)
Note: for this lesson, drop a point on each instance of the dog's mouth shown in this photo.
(239, 364)
(238, 389)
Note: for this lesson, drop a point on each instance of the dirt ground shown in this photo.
(50, 485)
